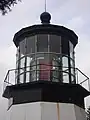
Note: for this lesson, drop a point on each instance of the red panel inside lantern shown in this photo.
(45, 70)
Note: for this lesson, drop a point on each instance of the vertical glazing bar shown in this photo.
(50, 76)
(15, 76)
(8, 76)
(77, 76)
(36, 57)
(18, 75)
(69, 65)
(74, 66)
(30, 68)
(25, 61)
(60, 62)
(16, 66)
(60, 46)
(25, 72)
(48, 43)
(30, 71)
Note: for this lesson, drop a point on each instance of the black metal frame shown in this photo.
(45, 29)
(46, 91)
(65, 39)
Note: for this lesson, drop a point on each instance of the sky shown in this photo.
(73, 14)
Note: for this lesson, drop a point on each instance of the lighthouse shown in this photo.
(44, 84)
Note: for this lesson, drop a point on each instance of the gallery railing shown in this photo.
(12, 77)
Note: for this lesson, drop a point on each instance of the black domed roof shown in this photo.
(45, 17)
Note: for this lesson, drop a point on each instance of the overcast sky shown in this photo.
(74, 14)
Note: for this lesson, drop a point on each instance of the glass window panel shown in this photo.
(56, 71)
(27, 46)
(22, 62)
(17, 64)
(21, 55)
(21, 70)
(55, 65)
(17, 54)
(33, 65)
(22, 47)
(72, 79)
(65, 69)
(31, 44)
(55, 76)
(38, 72)
(42, 43)
(72, 63)
(72, 66)
(72, 75)
(54, 43)
(71, 47)
(27, 77)
(72, 71)
(33, 70)
(21, 78)
(64, 62)
(65, 77)
(28, 61)
(65, 45)
(33, 75)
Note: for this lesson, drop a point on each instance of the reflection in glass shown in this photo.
(65, 69)
(64, 61)
(33, 70)
(42, 43)
(73, 79)
(21, 78)
(30, 44)
(55, 43)
(55, 71)
(65, 47)
(66, 77)
(72, 64)
(71, 48)
(22, 62)
(17, 54)
(27, 77)
(22, 48)
(27, 46)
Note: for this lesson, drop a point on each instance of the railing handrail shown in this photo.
(37, 53)
(82, 73)
(77, 82)
(36, 65)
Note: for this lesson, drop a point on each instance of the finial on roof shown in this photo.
(45, 18)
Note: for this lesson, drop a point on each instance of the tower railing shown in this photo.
(81, 78)
(55, 72)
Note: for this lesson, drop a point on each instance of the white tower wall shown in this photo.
(46, 111)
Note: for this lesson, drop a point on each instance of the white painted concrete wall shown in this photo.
(46, 111)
